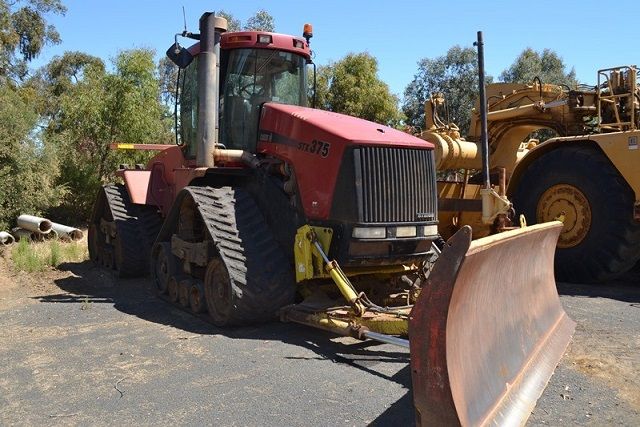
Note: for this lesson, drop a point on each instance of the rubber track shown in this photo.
(261, 276)
(136, 229)
(619, 246)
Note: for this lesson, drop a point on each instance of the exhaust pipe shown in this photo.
(34, 223)
(211, 28)
(6, 239)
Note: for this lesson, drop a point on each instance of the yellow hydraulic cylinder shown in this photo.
(342, 282)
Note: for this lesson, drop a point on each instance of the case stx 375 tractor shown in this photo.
(269, 208)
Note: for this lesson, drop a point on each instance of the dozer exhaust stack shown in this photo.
(488, 329)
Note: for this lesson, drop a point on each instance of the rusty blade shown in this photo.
(488, 329)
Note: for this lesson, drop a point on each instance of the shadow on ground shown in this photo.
(624, 291)
(94, 285)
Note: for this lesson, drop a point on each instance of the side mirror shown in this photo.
(179, 55)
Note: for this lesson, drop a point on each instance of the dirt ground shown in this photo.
(81, 347)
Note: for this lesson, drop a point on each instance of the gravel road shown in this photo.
(79, 347)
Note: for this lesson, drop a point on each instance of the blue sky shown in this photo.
(587, 34)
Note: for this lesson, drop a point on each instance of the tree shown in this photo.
(351, 86)
(168, 74)
(28, 166)
(455, 75)
(24, 32)
(233, 23)
(103, 108)
(261, 21)
(548, 67)
(58, 77)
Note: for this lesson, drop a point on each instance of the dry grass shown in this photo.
(33, 257)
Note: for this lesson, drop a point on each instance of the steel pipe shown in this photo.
(34, 223)
(66, 233)
(6, 238)
(387, 339)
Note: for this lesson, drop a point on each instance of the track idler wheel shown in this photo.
(218, 291)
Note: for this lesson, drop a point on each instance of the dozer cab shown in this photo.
(269, 208)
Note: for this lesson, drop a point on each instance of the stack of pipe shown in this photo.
(38, 229)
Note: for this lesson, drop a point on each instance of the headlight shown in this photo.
(369, 232)
(406, 231)
(428, 230)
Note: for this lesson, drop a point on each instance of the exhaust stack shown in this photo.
(211, 27)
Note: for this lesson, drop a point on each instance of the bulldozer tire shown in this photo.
(164, 265)
(126, 252)
(600, 240)
(248, 279)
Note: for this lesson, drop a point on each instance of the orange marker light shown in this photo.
(307, 32)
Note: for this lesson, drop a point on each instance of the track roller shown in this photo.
(173, 289)
(196, 297)
(184, 288)
(164, 265)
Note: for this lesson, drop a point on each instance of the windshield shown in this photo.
(249, 78)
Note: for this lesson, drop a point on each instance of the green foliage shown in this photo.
(548, 67)
(455, 75)
(103, 108)
(168, 75)
(24, 32)
(233, 23)
(352, 86)
(36, 257)
(28, 164)
(261, 21)
(26, 259)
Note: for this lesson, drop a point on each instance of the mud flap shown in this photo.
(488, 329)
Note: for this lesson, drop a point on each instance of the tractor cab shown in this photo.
(254, 68)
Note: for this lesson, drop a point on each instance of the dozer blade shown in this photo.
(488, 329)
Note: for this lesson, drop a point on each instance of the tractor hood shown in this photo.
(280, 119)
(322, 149)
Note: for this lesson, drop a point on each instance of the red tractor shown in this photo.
(268, 207)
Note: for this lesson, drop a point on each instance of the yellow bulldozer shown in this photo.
(587, 176)
(268, 208)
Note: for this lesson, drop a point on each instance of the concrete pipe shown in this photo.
(34, 223)
(6, 239)
(51, 235)
(21, 233)
(65, 232)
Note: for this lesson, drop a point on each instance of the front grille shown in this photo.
(395, 184)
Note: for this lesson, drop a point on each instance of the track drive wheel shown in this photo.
(579, 185)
